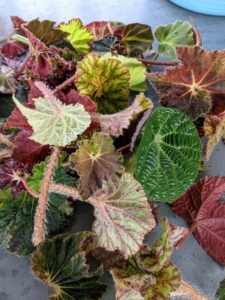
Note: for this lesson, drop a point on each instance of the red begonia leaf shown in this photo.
(10, 173)
(102, 29)
(199, 206)
(17, 22)
(195, 85)
(28, 151)
(13, 48)
(14, 63)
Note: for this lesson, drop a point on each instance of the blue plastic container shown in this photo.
(209, 7)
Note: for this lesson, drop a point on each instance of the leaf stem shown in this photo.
(40, 215)
(65, 190)
(35, 195)
(20, 38)
(159, 63)
(7, 37)
(187, 290)
(22, 67)
(6, 141)
(67, 82)
(6, 153)
(123, 147)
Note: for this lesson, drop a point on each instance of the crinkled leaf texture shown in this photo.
(137, 38)
(199, 206)
(8, 83)
(103, 29)
(57, 124)
(168, 156)
(220, 292)
(105, 81)
(61, 265)
(115, 123)
(78, 36)
(194, 86)
(214, 129)
(148, 274)
(123, 215)
(176, 34)
(97, 158)
(137, 71)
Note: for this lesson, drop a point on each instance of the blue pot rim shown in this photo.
(209, 7)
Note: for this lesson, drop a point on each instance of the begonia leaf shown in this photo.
(28, 151)
(5, 143)
(106, 82)
(199, 206)
(8, 83)
(17, 119)
(97, 158)
(168, 156)
(14, 63)
(173, 34)
(104, 45)
(46, 32)
(61, 265)
(78, 36)
(13, 48)
(194, 86)
(196, 34)
(137, 38)
(214, 129)
(17, 22)
(102, 29)
(53, 122)
(123, 215)
(115, 123)
(220, 292)
(137, 72)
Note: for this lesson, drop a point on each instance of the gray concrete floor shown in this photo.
(16, 281)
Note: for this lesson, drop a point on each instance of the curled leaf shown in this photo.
(123, 215)
(13, 48)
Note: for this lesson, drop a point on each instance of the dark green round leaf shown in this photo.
(168, 157)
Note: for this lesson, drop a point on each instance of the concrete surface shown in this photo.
(16, 281)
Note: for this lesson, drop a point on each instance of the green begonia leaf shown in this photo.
(61, 265)
(104, 45)
(137, 38)
(137, 72)
(55, 127)
(97, 158)
(105, 81)
(176, 34)
(220, 292)
(168, 156)
(78, 36)
(123, 215)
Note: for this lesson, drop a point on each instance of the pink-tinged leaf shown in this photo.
(13, 48)
(102, 29)
(115, 123)
(15, 63)
(17, 22)
(8, 83)
(28, 151)
(123, 215)
(199, 206)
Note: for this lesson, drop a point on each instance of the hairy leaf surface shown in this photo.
(8, 83)
(173, 34)
(115, 123)
(78, 36)
(194, 85)
(123, 215)
(137, 38)
(106, 82)
(199, 206)
(97, 158)
(55, 124)
(168, 156)
(102, 29)
(61, 265)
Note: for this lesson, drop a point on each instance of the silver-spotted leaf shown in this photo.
(61, 265)
(168, 156)
(176, 34)
(57, 124)
(105, 81)
(123, 215)
(94, 161)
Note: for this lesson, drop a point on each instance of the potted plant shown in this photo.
(81, 136)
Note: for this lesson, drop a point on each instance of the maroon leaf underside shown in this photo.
(199, 206)
(13, 48)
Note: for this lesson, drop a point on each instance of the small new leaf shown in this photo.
(53, 122)
(176, 34)
(78, 36)
(105, 81)
(123, 215)
(61, 265)
(97, 158)
(8, 83)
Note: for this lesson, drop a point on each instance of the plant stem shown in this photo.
(7, 37)
(6, 153)
(65, 190)
(124, 147)
(68, 81)
(21, 39)
(40, 215)
(187, 290)
(30, 191)
(22, 67)
(159, 63)
(6, 141)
